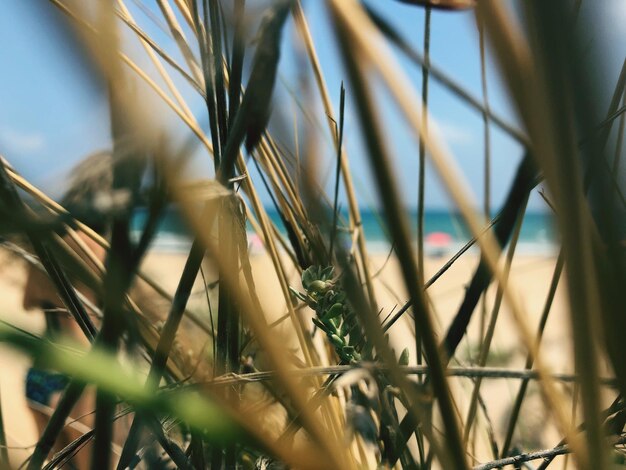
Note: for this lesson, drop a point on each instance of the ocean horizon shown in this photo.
(445, 232)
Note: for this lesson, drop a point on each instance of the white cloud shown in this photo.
(14, 140)
(454, 133)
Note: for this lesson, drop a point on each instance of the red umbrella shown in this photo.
(439, 239)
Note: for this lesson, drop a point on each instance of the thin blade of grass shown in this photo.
(205, 48)
(12, 201)
(440, 76)
(333, 234)
(454, 182)
(217, 423)
(421, 178)
(236, 63)
(544, 100)
(275, 354)
(181, 41)
(513, 208)
(151, 48)
(399, 230)
(519, 398)
(491, 328)
(356, 225)
(212, 7)
(166, 340)
(55, 424)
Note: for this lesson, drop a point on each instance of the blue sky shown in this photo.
(54, 112)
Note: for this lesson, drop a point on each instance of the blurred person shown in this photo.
(91, 180)
(43, 386)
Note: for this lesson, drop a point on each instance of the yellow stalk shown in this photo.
(356, 225)
(331, 456)
(372, 47)
(155, 60)
(184, 9)
(181, 40)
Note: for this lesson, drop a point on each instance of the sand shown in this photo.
(530, 274)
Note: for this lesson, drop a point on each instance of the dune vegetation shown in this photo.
(305, 373)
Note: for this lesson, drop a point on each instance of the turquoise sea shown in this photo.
(537, 235)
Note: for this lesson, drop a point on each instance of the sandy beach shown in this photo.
(530, 274)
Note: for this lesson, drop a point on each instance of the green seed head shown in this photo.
(318, 286)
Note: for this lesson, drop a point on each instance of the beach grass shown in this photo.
(299, 357)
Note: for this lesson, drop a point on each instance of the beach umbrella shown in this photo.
(438, 239)
(437, 243)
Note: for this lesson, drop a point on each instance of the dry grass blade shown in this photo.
(530, 456)
(356, 225)
(166, 340)
(302, 367)
(517, 405)
(491, 373)
(181, 41)
(185, 10)
(541, 100)
(421, 183)
(399, 230)
(389, 323)
(57, 209)
(444, 79)
(10, 201)
(151, 48)
(190, 121)
(259, 326)
(491, 327)
(275, 257)
(406, 99)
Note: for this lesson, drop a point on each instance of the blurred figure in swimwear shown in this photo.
(44, 387)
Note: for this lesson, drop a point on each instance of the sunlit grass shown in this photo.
(321, 367)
